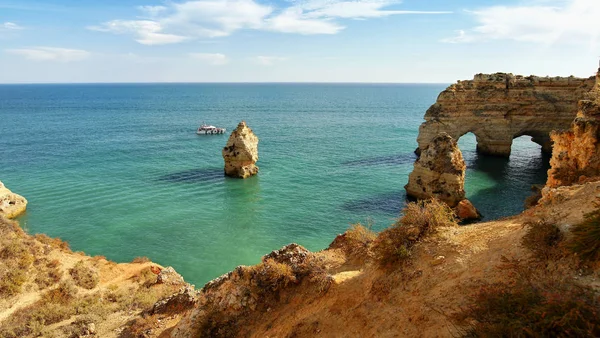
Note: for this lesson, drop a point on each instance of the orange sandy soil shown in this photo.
(417, 300)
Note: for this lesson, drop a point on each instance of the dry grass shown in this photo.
(84, 276)
(420, 219)
(140, 260)
(543, 239)
(272, 276)
(585, 241)
(531, 304)
(56, 243)
(358, 239)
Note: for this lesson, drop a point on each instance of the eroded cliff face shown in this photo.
(576, 153)
(241, 152)
(439, 172)
(500, 107)
(11, 204)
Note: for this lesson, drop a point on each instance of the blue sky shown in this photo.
(294, 40)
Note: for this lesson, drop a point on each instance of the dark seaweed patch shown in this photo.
(382, 160)
(194, 176)
(389, 203)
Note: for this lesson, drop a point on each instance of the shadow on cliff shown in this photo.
(389, 203)
(382, 160)
(204, 175)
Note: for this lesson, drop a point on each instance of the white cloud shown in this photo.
(355, 9)
(10, 26)
(177, 22)
(461, 37)
(146, 32)
(51, 54)
(565, 21)
(269, 60)
(293, 20)
(152, 11)
(214, 59)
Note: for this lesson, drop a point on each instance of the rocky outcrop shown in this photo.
(225, 302)
(500, 107)
(11, 204)
(241, 152)
(439, 172)
(576, 154)
(465, 210)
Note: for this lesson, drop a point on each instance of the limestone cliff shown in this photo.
(241, 152)
(439, 172)
(500, 107)
(576, 154)
(11, 204)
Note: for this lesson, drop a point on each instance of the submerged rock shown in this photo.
(11, 204)
(241, 152)
(439, 172)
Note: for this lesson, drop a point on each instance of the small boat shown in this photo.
(205, 129)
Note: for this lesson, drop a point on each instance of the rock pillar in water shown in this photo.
(440, 173)
(11, 204)
(241, 152)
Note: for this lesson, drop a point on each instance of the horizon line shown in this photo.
(219, 82)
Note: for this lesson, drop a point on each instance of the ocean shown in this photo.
(117, 169)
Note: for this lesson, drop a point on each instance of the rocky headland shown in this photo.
(241, 152)
(500, 107)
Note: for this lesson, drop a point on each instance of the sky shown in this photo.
(397, 41)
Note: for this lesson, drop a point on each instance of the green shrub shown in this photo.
(585, 241)
(84, 276)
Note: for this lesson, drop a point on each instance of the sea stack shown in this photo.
(440, 173)
(11, 204)
(241, 152)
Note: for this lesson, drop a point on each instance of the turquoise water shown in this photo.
(117, 170)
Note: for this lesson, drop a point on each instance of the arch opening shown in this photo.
(499, 186)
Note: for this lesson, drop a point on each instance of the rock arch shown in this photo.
(500, 107)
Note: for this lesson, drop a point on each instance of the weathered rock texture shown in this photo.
(11, 204)
(576, 153)
(241, 152)
(439, 172)
(500, 107)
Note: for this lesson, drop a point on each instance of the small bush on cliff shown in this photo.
(531, 306)
(419, 220)
(358, 239)
(542, 238)
(271, 275)
(586, 237)
(84, 276)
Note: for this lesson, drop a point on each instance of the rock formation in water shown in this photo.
(11, 204)
(241, 152)
(500, 107)
(439, 172)
(576, 153)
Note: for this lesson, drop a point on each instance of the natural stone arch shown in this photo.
(499, 107)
